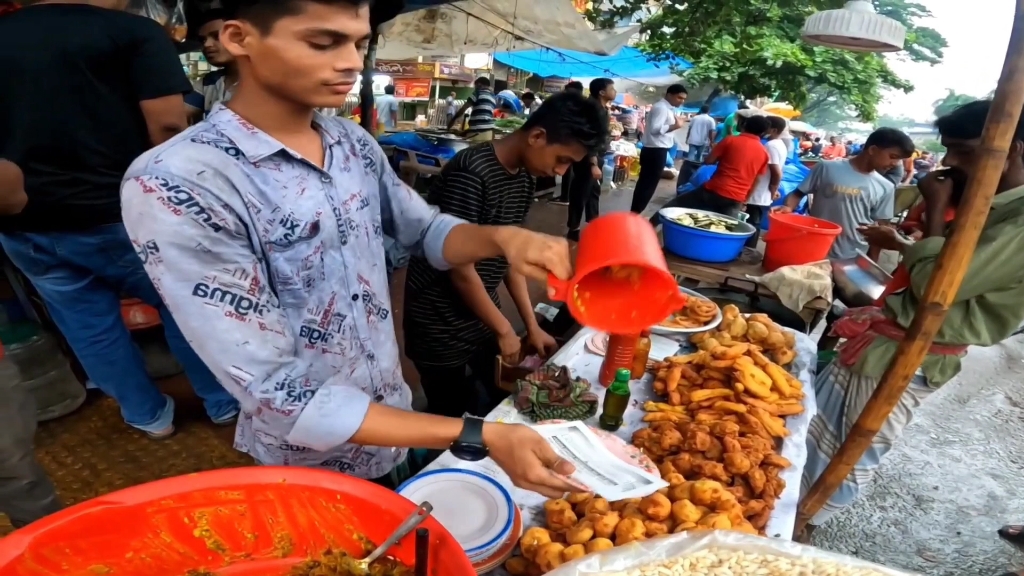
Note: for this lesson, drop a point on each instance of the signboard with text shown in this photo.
(454, 72)
(397, 69)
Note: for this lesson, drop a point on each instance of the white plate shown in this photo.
(473, 507)
(657, 329)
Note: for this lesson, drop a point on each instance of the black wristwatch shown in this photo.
(470, 443)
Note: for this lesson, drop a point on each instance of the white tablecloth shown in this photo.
(587, 365)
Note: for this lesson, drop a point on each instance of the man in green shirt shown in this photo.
(731, 127)
(988, 307)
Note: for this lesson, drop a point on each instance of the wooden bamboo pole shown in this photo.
(945, 280)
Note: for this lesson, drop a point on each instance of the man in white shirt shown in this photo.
(661, 122)
(700, 135)
(387, 108)
(766, 189)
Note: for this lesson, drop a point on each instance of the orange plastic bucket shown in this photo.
(235, 522)
(796, 239)
(621, 284)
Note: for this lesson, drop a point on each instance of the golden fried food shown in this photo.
(696, 313)
(517, 566)
(577, 498)
(737, 463)
(561, 520)
(604, 526)
(715, 521)
(573, 552)
(596, 506)
(580, 533)
(706, 493)
(532, 539)
(630, 530)
(684, 527)
(730, 311)
(599, 544)
(655, 528)
(685, 511)
(549, 556)
(556, 504)
(656, 507)
(680, 492)
(632, 511)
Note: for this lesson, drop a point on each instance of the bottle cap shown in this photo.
(620, 387)
(622, 374)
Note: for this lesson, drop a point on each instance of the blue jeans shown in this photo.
(81, 277)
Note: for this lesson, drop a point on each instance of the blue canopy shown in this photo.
(721, 106)
(627, 63)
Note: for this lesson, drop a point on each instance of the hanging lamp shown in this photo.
(856, 26)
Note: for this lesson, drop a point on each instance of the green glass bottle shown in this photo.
(616, 400)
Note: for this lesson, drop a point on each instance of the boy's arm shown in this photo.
(12, 188)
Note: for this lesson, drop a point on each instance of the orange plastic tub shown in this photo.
(234, 522)
(794, 239)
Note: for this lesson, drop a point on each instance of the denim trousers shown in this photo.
(82, 277)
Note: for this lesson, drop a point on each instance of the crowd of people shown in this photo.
(274, 299)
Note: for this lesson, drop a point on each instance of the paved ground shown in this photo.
(952, 480)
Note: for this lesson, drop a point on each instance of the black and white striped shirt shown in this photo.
(440, 329)
(481, 115)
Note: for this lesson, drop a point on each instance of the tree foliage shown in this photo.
(951, 101)
(753, 48)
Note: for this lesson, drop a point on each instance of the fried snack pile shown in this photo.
(696, 313)
(583, 524)
(756, 329)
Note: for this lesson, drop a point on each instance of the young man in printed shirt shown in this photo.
(454, 328)
(262, 228)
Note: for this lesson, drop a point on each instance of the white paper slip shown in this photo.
(596, 467)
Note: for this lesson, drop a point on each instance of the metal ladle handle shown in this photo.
(407, 526)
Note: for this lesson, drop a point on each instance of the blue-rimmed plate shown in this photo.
(474, 508)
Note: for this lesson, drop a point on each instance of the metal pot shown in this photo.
(859, 281)
(749, 302)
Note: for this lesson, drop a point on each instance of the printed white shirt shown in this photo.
(274, 269)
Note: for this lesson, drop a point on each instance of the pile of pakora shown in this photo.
(757, 329)
(582, 524)
(697, 313)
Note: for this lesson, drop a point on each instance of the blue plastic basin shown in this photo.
(703, 245)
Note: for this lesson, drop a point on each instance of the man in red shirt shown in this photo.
(741, 159)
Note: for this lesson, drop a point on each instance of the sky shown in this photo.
(977, 32)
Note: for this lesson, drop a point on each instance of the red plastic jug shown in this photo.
(622, 284)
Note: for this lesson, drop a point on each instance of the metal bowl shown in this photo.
(859, 281)
(740, 228)
(658, 329)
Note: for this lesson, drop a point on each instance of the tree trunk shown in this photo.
(714, 94)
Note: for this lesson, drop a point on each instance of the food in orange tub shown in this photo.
(260, 521)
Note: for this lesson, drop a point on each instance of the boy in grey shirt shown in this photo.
(852, 193)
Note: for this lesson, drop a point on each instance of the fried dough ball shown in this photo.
(680, 492)
(573, 552)
(706, 492)
(599, 544)
(715, 521)
(774, 341)
(556, 504)
(734, 512)
(532, 539)
(561, 520)
(596, 506)
(738, 327)
(604, 526)
(756, 331)
(618, 505)
(578, 498)
(630, 530)
(684, 527)
(517, 565)
(760, 520)
(746, 528)
(655, 528)
(548, 556)
(711, 471)
(580, 533)
(674, 479)
(730, 311)
(685, 511)
(666, 469)
(656, 507)
(632, 511)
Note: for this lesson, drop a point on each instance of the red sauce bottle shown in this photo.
(621, 348)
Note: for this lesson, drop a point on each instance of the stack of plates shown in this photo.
(476, 509)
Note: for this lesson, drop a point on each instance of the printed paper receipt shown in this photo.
(596, 467)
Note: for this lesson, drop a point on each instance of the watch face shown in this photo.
(470, 452)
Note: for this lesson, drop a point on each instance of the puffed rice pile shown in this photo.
(721, 562)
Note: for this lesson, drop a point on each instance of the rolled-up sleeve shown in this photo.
(406, 216)
(196, 249)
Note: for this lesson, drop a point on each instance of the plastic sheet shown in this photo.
(621, 561)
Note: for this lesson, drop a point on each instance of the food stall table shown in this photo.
(585, 364)
(732, 272)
